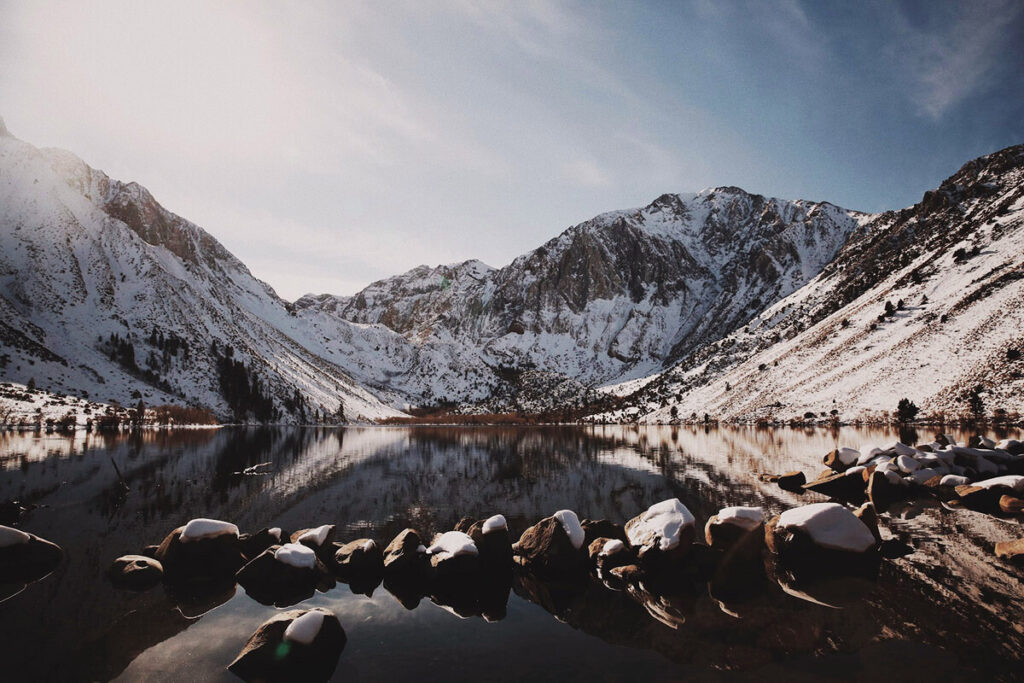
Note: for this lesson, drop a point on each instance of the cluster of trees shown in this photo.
(242, 388)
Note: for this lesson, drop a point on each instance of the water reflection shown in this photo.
(374, 482)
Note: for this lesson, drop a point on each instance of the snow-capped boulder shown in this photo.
(254, 544)
(984, 495)
(884, 488)
(362, 557)
(792, 481)
(453, 553)
(203, 549)
(292, 646)
(731, 524)
(492, 539)
(1011, 446)
(841, 458)
(320, 539)
(553, 545)
(822, 537)
(662, 535)
(283, 575)
(25, 557)
(405, 555)
(136, 572)
(608, 553)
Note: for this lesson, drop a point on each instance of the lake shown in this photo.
(946, 609)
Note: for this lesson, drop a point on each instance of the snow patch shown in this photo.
(571, 523)
(665, 521)
(452, 544)
(316, 536)
(207, 528)
(305, 627)
(296, 555)
(612, 546)
(829, 525)
(495, 523)
(745, 517)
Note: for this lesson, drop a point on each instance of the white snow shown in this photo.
(9, 536)
(663, 521)
(829, 525)
(907, 464)
(305, 627)
(746, 517)
(954, 480)
(275, 532)
(368, 545)
(848, 456)
(1010, 481)
(612, 546)
(495, 523)
(571, 523)
(316, 536)
(452, 544)
(296, 555)
(207, 528)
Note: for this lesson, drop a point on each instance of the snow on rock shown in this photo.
(907, 464)
(495, 523)
(296, 555)
(829, 525)
(304, 629)
(745, 517)
(452, 544)
(368, 545)
(1010, 481)
(275, 532)
(848, 456)
(954, 480)
(316, 536)
(612, 546)
(571, 523)
(663, 522)
(9, 536)
(207, 528)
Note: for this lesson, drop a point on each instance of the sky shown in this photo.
(330, 144)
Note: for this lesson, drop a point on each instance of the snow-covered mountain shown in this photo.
(104, 291)
(925, 303)
(617, 297)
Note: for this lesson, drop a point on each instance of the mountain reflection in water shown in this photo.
(944, 609)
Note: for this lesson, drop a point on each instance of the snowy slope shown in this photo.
(617, 297)
(955, 261)
(104, 291)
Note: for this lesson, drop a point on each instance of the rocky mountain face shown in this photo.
(617, 297)
(719, 302)
(105, 292)
(925, 303)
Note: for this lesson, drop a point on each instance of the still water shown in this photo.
(944, 610)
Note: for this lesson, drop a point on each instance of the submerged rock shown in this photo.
(25, 557)
(136, 572)
(292, 646)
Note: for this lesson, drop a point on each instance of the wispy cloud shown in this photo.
(949, 60)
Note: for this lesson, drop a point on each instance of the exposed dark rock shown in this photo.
(406, 554)
(271, 581)
(254, 544)
(135, 571)
(27, 558)
(360, 561)
(201, 559)
(547, 549)
(602, 528)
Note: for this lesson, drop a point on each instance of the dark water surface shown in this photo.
(948, 610)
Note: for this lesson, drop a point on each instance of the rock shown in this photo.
(842, 486)
(135, 571)
(662, 535)
(732, 524)
(493, 541)
(840, 459)
(406, 554)
(822, 538)
(25, 557)
(881, 492)
(553, 546)
(608, 553)
(792, 481)
(594, 529)
(1011, 446)
(866, 513)
(150, 551)
(453, 553)
(292, 646)
(630, 573)
(359, 561)
(254, 544)
(1011, 505)
(1011, 550)
(320, 539)
(283, 575)
(207, 553)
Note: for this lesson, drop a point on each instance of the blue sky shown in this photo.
(331, 144)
